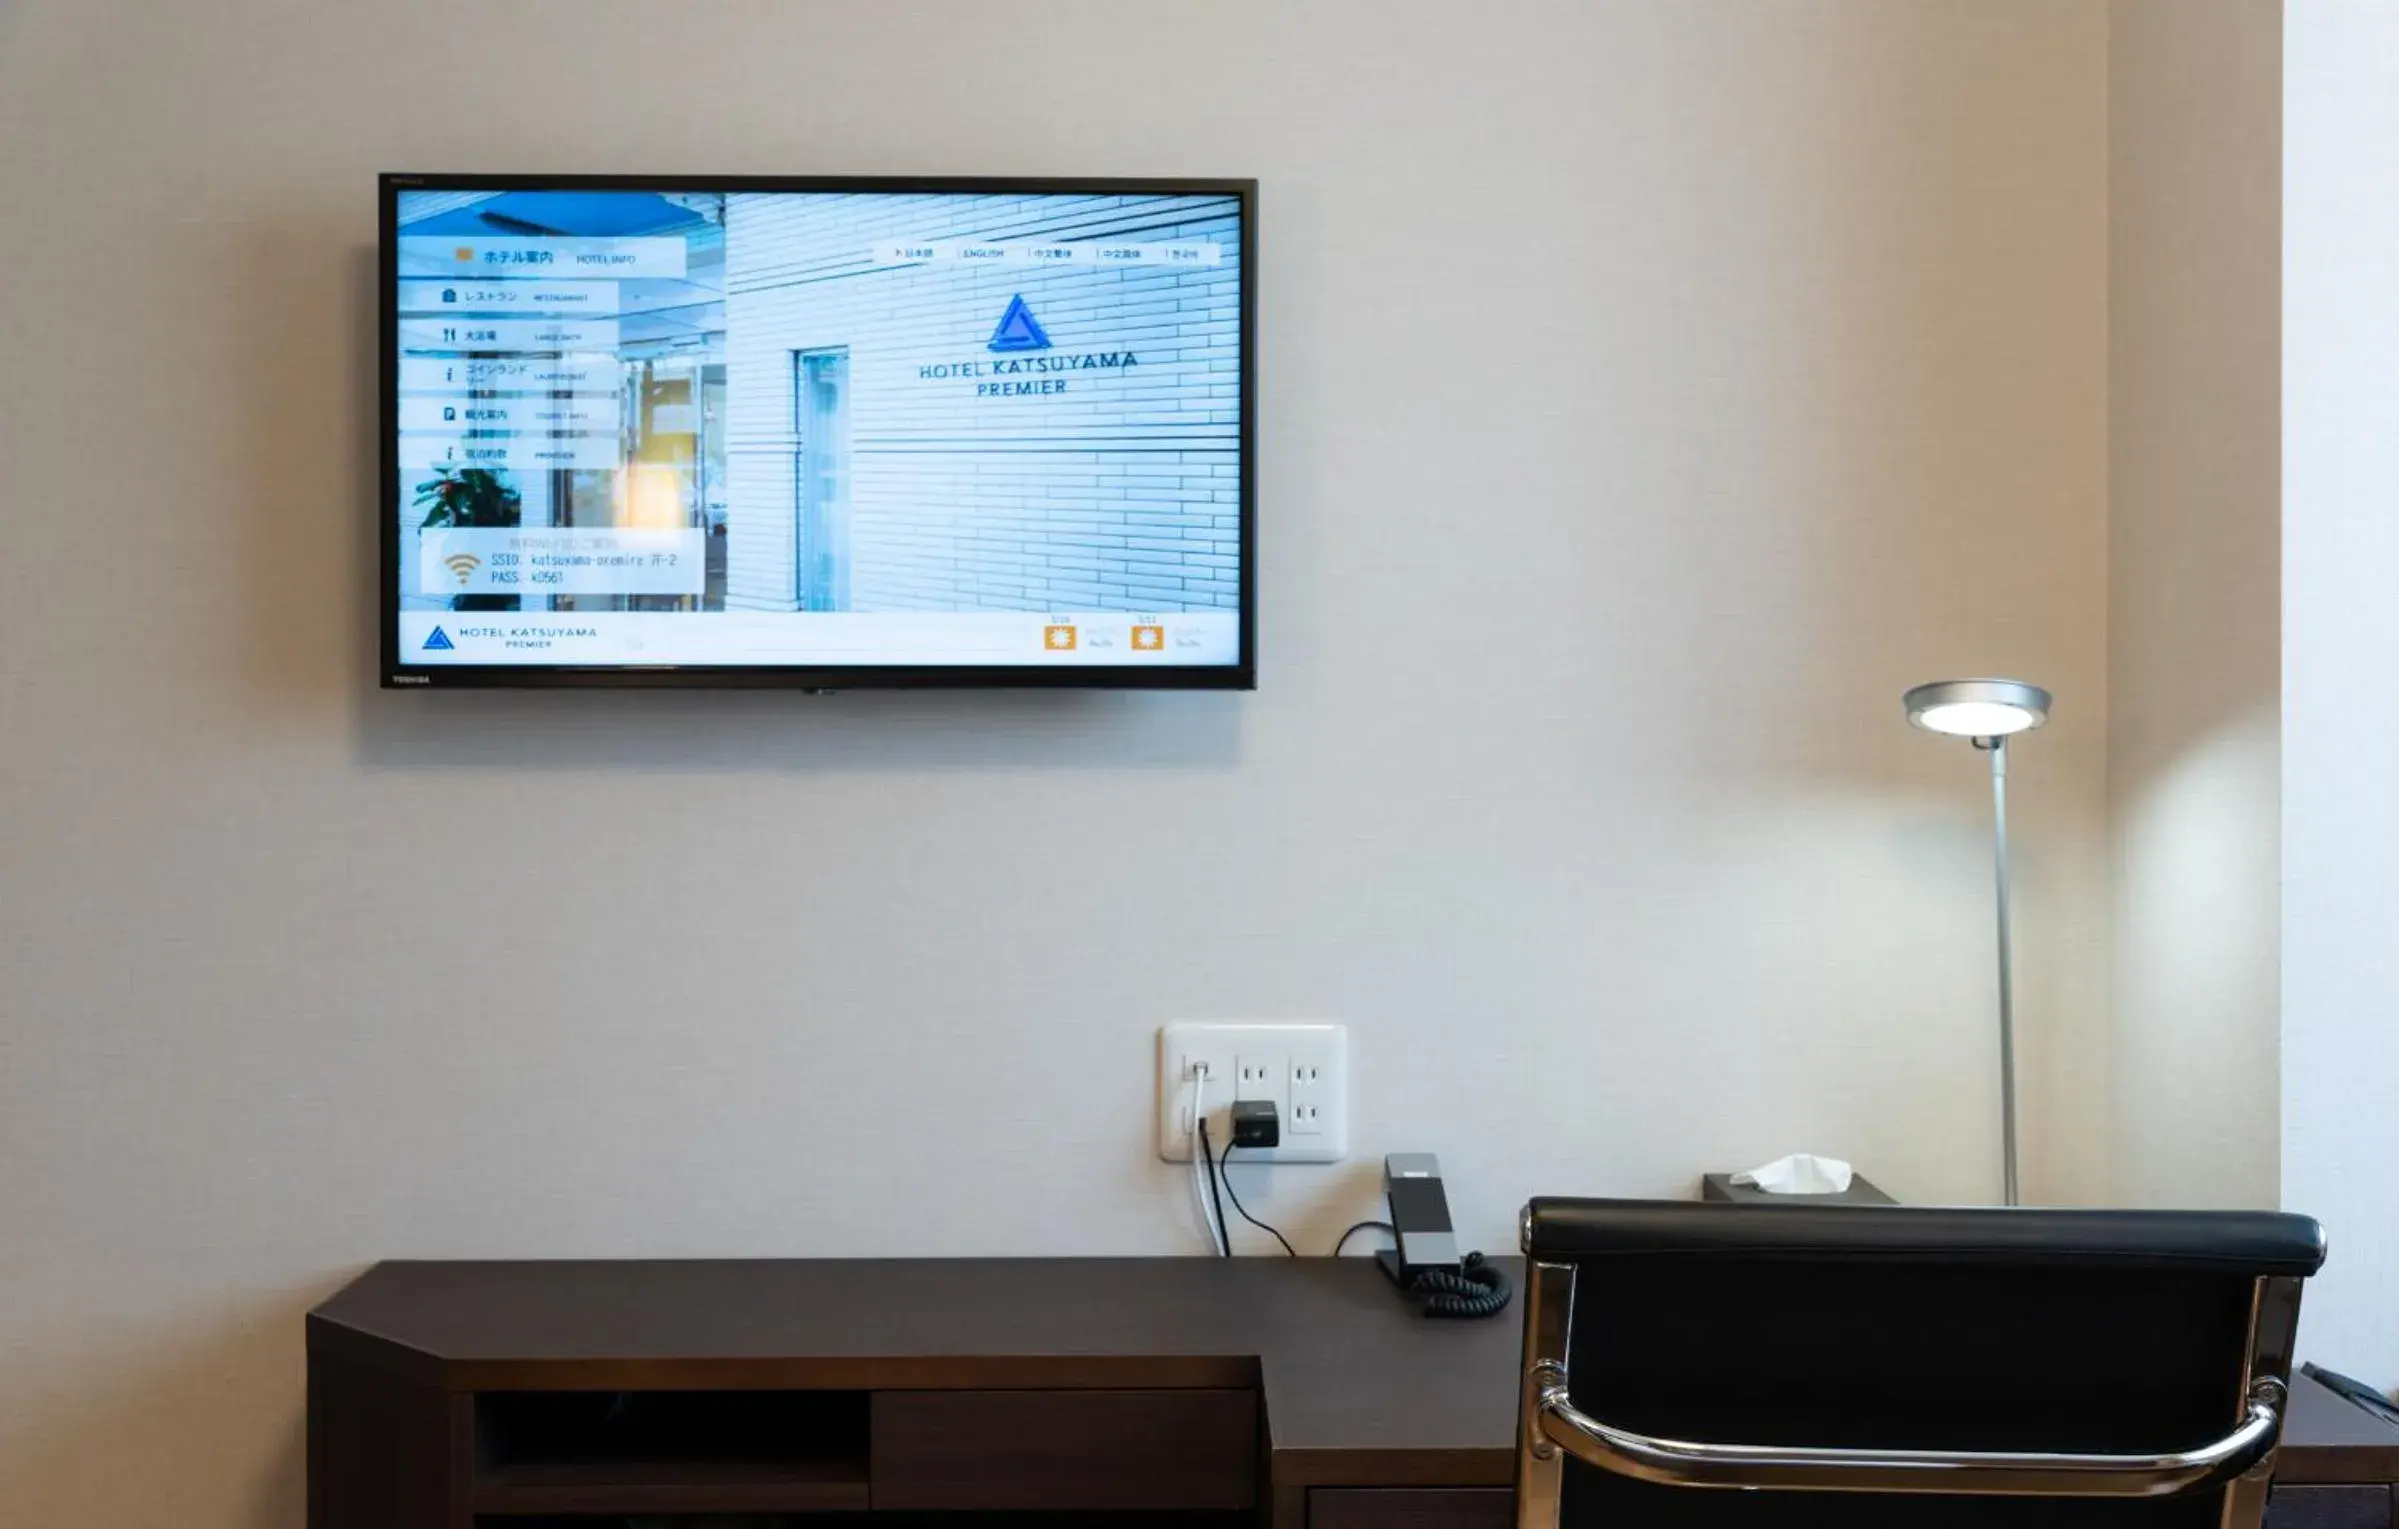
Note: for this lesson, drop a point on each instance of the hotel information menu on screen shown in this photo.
(806, 429)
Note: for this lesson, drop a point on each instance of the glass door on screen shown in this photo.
(824, 410)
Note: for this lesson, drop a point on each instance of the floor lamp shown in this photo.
(1989, 712)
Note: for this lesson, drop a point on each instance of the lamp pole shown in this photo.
(1987, 712)
(1997, 749)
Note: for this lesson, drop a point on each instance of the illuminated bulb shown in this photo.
(1975, 719)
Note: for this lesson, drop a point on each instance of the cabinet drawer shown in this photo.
(2329, 1507)
(1065, 1450)
(1411, 1508)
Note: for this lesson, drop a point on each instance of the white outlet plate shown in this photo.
(1303, 1068)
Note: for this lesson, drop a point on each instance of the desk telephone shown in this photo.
(1424, 1263)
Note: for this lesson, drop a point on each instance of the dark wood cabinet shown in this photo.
(1065, 1451)
(1411, 1508)
(916, 1394)
(384, 1452)
(2329, 1507)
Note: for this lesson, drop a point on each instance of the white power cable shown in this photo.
(1217, 1242)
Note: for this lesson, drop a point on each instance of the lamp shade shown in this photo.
(1977, 708)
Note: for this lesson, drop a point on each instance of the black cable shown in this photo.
(1243, 1210)
(1382, 1226)
(1208, 1155)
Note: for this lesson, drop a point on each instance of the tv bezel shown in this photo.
(397, 674)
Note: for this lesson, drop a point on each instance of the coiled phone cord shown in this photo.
(1477, 1289)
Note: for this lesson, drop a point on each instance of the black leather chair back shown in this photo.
(1854, 1332)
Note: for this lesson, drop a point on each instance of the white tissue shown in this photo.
(1802, 1173)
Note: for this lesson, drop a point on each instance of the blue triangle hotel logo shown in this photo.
(1018, 330)
(439, 642)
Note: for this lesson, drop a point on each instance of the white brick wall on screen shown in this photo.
(1121, 491)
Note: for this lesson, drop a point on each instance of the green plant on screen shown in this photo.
(470, 497)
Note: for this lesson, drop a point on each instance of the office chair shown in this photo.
(1698, 1366)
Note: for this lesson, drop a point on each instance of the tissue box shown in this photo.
(1720, 1186)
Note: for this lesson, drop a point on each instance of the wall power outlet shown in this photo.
(1303, 1068)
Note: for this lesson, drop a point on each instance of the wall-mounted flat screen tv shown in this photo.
(818, 432)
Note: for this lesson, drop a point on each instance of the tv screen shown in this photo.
(817, 432)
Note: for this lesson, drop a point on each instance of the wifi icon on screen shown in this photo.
(462, 564)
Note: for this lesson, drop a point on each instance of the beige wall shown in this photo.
(2194, 608)
(1649, 394)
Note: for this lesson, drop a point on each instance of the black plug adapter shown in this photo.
(1256, 1123)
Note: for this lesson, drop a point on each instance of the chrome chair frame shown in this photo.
(1550, 1428)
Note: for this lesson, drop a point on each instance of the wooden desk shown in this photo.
(2337, 1465)
(1300, 1393)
